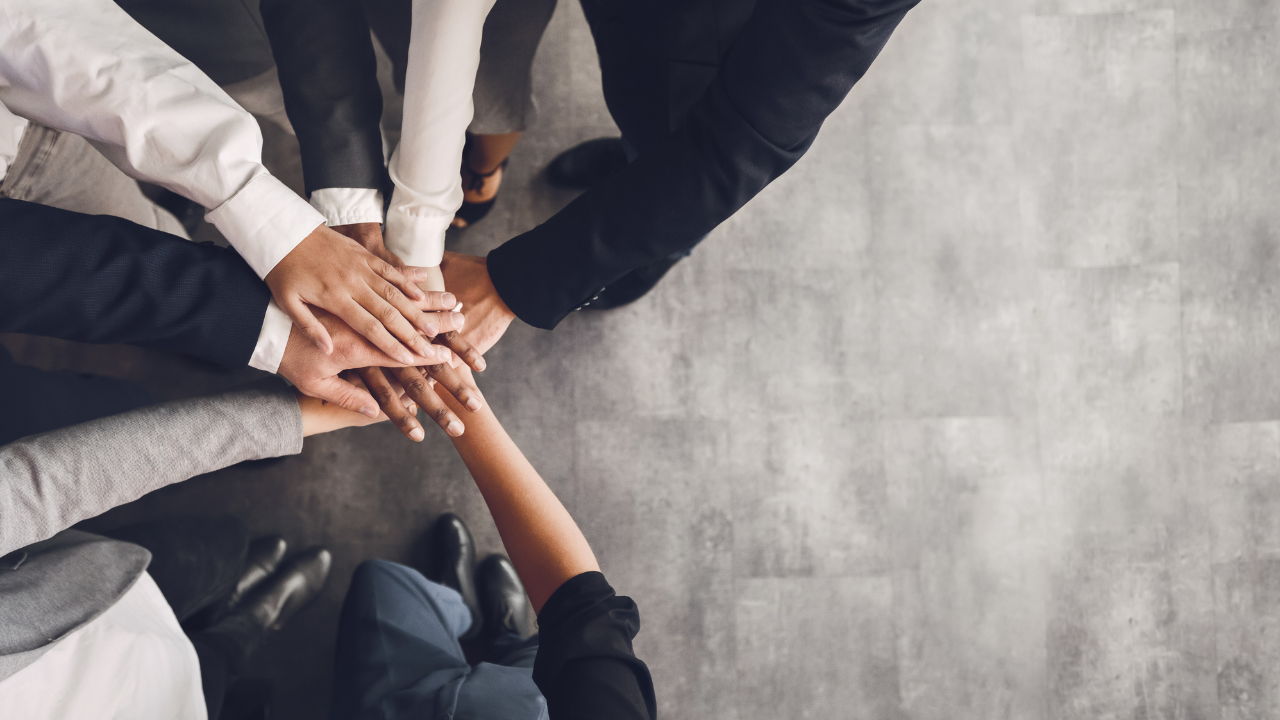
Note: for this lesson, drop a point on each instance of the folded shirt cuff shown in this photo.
(272, 339)
(348, 206)
(264, 221)
(417, 240)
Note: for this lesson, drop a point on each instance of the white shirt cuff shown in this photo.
(272, 339)
(264, 221)
(348, 206)
(416, 240)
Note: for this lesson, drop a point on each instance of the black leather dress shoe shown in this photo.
(505, 605)
(632, 286)
(267, 607)
(262, 559)
(298, 582)
(587, 164)
(452, 563)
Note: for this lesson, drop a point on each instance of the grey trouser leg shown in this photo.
(503, 94)
(63, 170)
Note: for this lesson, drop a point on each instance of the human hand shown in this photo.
(429, 280)
(319, 416)
(317, 374)
(418, 384)
(487, 316)
(330, 271)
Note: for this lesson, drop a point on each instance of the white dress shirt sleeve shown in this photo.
(444, 52)
(86, 67)
(348, 206)
(272, 339)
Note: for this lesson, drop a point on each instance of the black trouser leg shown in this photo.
(38, 401)
(195, 561)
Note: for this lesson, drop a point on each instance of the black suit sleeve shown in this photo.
(791, 66)
(101, 279)
(329, 76)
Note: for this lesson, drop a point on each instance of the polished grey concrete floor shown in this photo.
(974, 414)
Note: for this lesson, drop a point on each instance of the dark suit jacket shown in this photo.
(101, 279)
(746, 90)
(719, 96)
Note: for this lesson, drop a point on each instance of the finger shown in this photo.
(420, 388)
(343, 394)
(450, 321)
(467, 394)
(362, 321)
(437, 301)
(393, 275)
(398, 313)
(306, 321)
(388, 398)
(463, 349)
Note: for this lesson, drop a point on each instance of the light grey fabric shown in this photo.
(503, 94)
(50, 481)
(65, 582)
(63, 170)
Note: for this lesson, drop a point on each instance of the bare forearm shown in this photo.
(540, 536)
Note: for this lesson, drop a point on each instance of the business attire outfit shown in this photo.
(328, 74)
(101, 279)
(398, 655)
(91, 624)
(716, 99)
(86, 67)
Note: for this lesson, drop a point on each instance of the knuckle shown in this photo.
(416, 386)
(441, 414)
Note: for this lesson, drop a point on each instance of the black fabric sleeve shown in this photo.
(330, 80)
(791, 66)
(102, 279)
(585, 666)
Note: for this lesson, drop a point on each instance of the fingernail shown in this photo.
(416, 435)
(481, 364)
(418, 274)
(371, 412)
(412, 409)
(430, 329)
(458, 320)
(454, 428)
(448, 299)
(473, 404)
(404, 356)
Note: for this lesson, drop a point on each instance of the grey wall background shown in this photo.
(974, 414)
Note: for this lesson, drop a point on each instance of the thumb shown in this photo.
(343, 394)
(306, 321)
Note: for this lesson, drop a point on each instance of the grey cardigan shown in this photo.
(51, 481)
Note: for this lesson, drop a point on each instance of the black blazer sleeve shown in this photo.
(101, 279)
(330, 80)
(791, 66)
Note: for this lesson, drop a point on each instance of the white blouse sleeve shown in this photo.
(444, 52)
(86, 67)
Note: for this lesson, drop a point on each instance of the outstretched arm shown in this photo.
(544, 542)
(789, 68)
(85, 66)
(51, 481)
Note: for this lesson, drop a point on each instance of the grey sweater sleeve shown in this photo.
(51, 481)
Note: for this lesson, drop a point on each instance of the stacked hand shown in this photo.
(416, 380)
